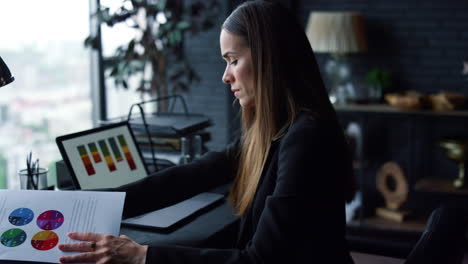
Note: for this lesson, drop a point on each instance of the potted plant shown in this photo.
(377, 82)
(155, 56)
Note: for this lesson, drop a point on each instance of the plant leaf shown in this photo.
(163, 49)
(162, 4)
(182, 25)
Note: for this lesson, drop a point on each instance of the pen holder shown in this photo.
(34, 181)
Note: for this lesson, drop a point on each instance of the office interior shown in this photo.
(402, 101)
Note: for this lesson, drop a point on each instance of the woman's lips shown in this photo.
(236, 92)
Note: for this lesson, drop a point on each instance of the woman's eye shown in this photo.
(234, 62)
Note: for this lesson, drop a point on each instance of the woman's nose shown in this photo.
(227, 77)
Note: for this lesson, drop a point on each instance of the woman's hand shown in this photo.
(100, 248)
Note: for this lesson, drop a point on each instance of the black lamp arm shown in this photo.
(5, 74)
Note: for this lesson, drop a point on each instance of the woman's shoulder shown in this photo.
(304, 121)
(306, 124)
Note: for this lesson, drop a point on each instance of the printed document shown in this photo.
(34, 223)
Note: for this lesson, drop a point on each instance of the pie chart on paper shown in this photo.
(50, 220)
(13, 237)
(21, 216)
(44, 240)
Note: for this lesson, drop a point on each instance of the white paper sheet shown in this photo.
(34, 223)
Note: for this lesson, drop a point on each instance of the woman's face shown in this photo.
(239, 68)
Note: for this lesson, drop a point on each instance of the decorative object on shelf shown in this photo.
(410, 100)
(352, 208)
(337, 33)
(392, 184)
(377, 82)
(354, 135)
(33, 177)
(447, 101)
(465, 68)
(155, 55)
(457, 150)
(5, 74)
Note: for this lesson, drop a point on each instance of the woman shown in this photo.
(291, 170)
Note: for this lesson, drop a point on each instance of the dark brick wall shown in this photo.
(421, 43)
(210, 95)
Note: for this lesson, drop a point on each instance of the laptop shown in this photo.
(108, 157)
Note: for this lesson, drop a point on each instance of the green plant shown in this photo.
(378, 82)
(377, 77)
(158, 48)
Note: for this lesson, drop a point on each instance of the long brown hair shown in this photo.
(286, 79)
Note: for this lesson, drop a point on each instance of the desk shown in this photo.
(203, 229)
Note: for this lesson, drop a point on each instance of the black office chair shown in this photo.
(443, 239)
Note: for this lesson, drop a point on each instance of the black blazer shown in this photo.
(298, 213)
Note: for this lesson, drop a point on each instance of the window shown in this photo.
(42, 43)
(118, 100)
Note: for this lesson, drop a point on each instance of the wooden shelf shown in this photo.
(371, 119)
(413, 225)
(437, 185)
(385, 108)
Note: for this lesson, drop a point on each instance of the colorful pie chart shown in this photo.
(50, 220)
(21, 216)
(44, 240)
(13, 237)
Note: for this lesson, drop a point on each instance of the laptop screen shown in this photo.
(103, 157)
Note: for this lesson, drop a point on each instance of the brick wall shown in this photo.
(421, 43)
(210, 95)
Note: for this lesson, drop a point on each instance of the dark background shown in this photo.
(421, 43)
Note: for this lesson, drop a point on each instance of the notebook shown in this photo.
(108, 157)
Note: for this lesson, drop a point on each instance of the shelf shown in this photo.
(383, 237)
(413, 225)
(439, 186)
(385, 108)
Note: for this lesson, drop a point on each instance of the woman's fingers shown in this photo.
(82, 257)
(125, 237)
(86, 236)
(89, 242)
(100, 248)
(105, 260)
(82, 246)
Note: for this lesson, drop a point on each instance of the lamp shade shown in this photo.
(336, 32)
(5, 74)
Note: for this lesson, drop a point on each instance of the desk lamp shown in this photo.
(337, 33)
(5, 74)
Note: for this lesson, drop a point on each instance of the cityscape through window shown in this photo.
(42, 43)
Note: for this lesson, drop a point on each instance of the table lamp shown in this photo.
(5, 74)
(337, 33)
